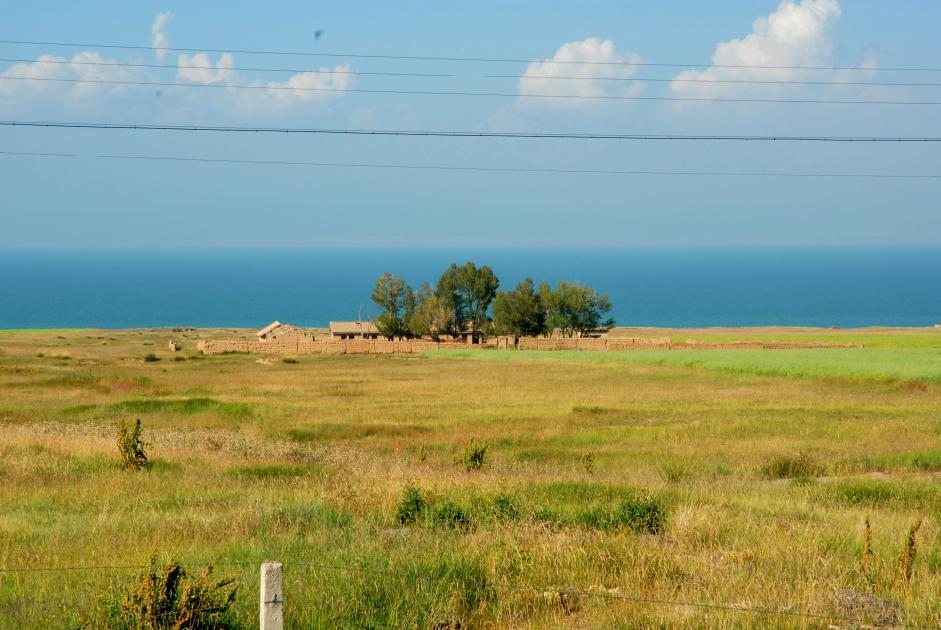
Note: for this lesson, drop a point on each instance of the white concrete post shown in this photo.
(271, 600)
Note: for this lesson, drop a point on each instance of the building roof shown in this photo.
(267, 329)
(353, 328)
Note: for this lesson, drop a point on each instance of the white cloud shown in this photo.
(159, 32)
(304, 88)
(199, 69)
(796, 34)
(591, 67)
(53, 75)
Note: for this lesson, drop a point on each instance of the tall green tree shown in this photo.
(519, 312)
(391, 294)
(469, 291)
(432, 315)
(575, 309)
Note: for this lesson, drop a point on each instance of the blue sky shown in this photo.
(102, 202)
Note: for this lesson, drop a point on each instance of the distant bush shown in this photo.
(151, 357)
(473, 457)
(411, 506)
(289, 360)
(791, 467)
(449, 514)
(169, 597)
(179, 358)
(131, 446)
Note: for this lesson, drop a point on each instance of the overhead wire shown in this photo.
(69, 62)
(477, 169)
(468, 134)
(589, 97)
(458, 58)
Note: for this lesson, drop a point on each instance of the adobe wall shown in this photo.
(277, 347)
(382, 346)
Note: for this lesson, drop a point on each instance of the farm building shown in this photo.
(276, 331)
(353, 330)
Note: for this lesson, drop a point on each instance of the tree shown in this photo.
(519, 312)
(574, 308)
(432, 315)
(469, 292)
(391, 294)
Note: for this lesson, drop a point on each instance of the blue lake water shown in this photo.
(847, 287)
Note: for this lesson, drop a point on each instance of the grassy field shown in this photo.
(876, 337)
(911, 367)
(612, 484)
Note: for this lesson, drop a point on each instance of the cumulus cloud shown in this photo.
(304, 88)
(588, 68)
(159, 32)
(60, 76)
(199, 69)
(796, 34)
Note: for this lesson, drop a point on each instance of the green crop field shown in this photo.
(480, 489)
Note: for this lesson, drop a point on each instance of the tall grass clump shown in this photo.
(411, 506)
(449, 514)
(473, 457)
(799, 466)
(131, 446)
(906, 560)
(644, 515)
(588, 462)
(151, 358)
(448, 592)
(170, 598)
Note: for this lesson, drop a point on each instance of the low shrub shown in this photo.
(169, 597)
(791, 467)
(473, 457)
(131, 446)
(290, 360)
(449, 514)
(411, 506)
(151, 357)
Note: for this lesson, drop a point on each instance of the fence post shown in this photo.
(271, 600)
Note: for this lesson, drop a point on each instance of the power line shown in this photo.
(458, 59)
(466, 134)
(466, 76)
(474, 169)
(596, 97)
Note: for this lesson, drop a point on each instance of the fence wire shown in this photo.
(562, 592)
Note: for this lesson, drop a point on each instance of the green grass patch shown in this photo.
(271, 471)
(180, 407)
(908, 494)
(343, 431)
(868, 364)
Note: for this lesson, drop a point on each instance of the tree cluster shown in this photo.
(461, 300)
